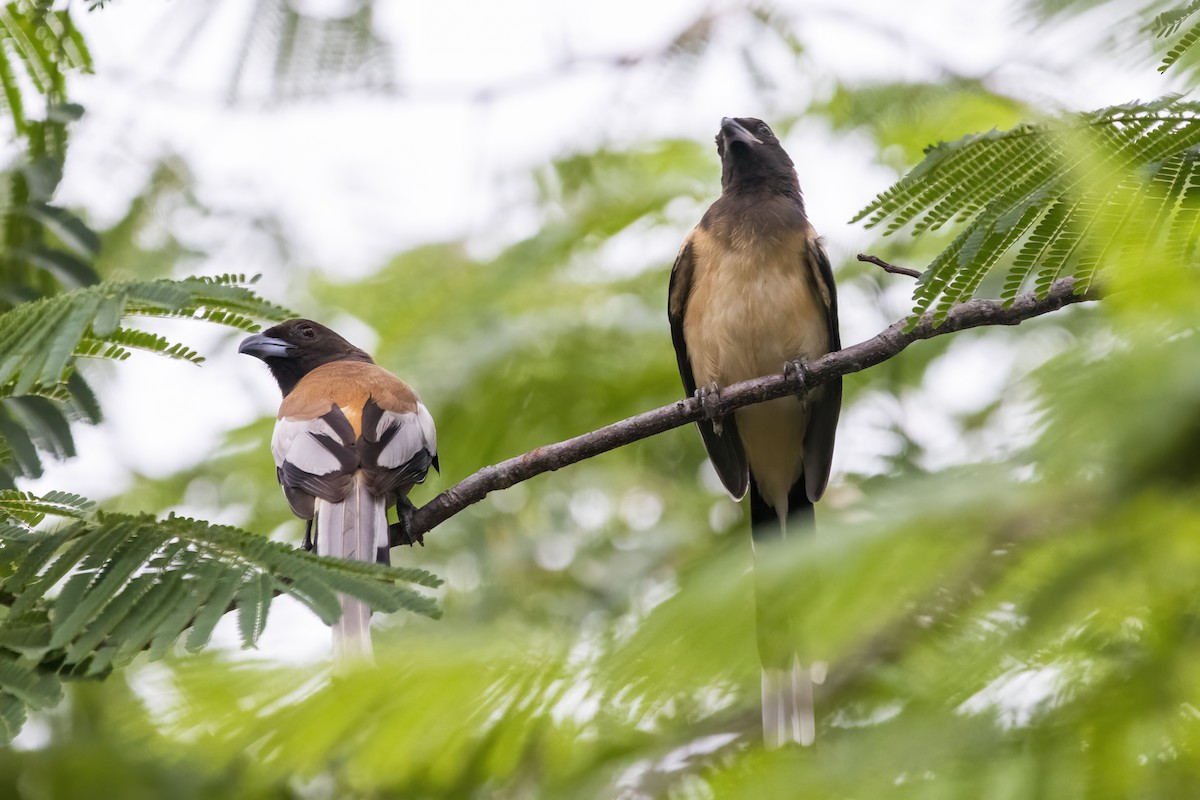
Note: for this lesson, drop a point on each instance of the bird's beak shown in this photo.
(261, 346)
(733, 131)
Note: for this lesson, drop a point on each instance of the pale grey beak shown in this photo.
(733, 131)
(261, 346)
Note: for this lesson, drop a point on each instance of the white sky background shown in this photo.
(355, 180)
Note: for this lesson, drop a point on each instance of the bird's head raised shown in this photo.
(752, 158)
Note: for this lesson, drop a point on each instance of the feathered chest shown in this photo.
(756, 301)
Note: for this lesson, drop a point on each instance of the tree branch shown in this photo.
(885, 345)
(892, 268)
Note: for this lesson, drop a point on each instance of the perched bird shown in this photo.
(350, 441)
(751, 291)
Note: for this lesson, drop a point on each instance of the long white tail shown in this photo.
(787, 705)
(788, 710)
(354, 528)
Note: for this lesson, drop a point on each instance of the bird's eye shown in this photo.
(308, 332)
(764, 129)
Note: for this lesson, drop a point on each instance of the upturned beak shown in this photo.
(261, 346)
(734, 132)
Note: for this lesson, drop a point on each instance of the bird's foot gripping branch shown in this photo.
(399, 532)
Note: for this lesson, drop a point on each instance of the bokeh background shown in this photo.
(488, 197)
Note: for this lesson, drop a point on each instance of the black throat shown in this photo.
(289, 371)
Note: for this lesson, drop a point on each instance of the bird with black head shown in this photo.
(752, 290)
(351, 439)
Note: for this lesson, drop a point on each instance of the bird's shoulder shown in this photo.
(348, 384)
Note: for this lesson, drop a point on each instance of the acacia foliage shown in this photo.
(1019, 624)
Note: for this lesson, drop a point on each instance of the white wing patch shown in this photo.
(426, 422)
(413, 436)
(292, 443)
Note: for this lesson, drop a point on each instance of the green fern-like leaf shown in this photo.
(18, 451)
(41, 422)
(33, 689)
(30, 509)
(12, 716)
(126, 339)
(1180, 47)
(40, 339)
(1064, 193)
(42, 46)
(90, 596)
(1169, 23)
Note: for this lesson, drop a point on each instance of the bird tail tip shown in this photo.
(352, 633)
(788, 714)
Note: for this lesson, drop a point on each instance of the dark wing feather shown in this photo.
(402, 478)
(303, 505)
(331, 487)
(379, 459)
(825, 403)
(301, 485)
(725, 446)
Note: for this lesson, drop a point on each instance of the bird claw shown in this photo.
(398, 532)
(797, 370)
(710, 400)
(310, 542)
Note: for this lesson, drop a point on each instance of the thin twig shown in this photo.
(892, 268)
(887, 344)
